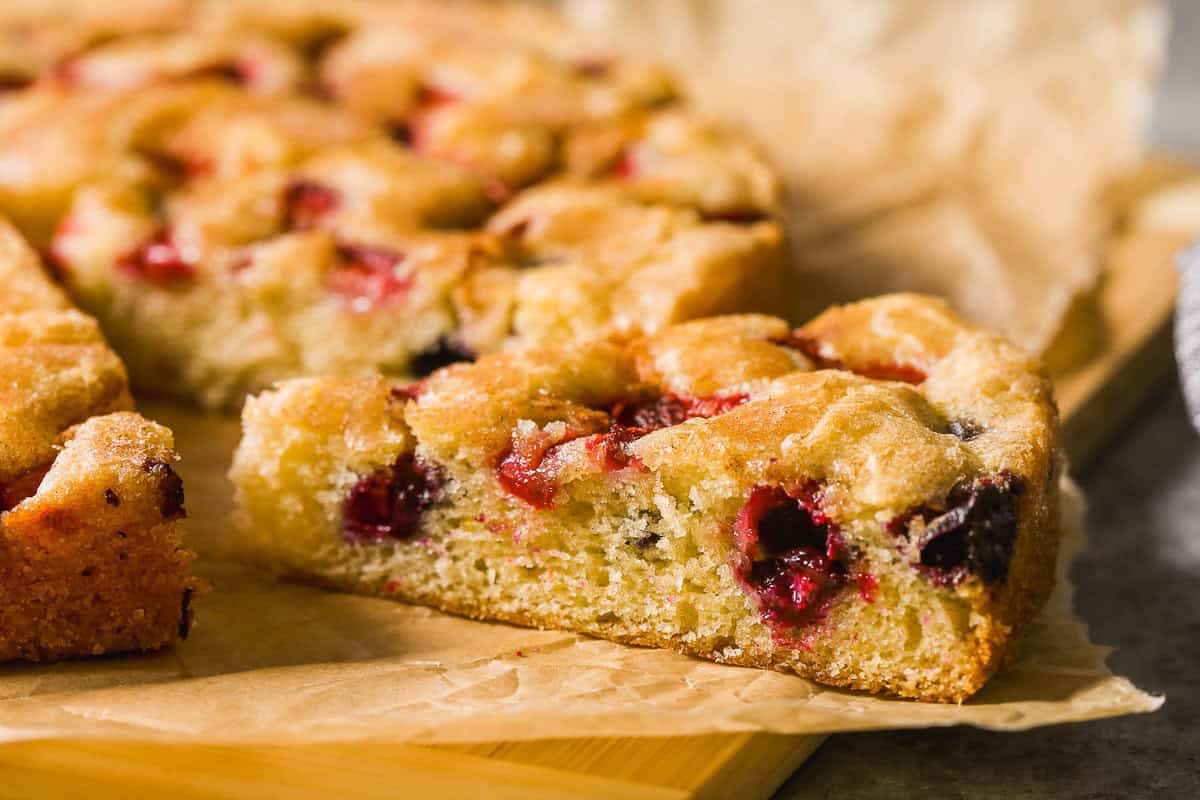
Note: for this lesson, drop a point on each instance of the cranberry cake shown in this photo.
(91, 539)
(241, 193)
(869, 501)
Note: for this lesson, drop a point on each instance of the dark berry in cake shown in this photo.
(442, 354)
(171, 487)
(976, 535)
(671, 409)
(388, 503)
(789, 556)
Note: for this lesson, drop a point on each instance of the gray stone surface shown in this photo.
(1138, 588)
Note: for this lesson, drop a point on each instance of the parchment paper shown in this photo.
(283, 663)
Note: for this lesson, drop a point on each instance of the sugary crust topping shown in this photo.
(91, 552)
(875, 444)
(57, 369)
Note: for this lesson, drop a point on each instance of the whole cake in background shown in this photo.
(245, 193)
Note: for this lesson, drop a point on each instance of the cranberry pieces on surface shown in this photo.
(633, 419)
(368, 277)
(672, 409)
(790, 556)
(527, 469)
(159, 261)
(611, 449)
(879, 371)
(306, 202)
(388, 503)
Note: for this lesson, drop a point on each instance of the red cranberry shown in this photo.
(388, 504)
(673, 409)
(306, 202)
(868, 586)
(627, 166)
(634, 419)
(810, 347)
(368, 277)
(158, 261)
(527, 469)
(611, 450)
(790, 556)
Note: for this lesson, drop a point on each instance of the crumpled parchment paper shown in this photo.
(279, 663)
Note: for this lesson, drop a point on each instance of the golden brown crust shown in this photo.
(91, 539)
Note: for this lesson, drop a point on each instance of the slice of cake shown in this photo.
(91, 536)
(869, 501)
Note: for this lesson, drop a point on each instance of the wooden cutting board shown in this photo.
(1114, 350)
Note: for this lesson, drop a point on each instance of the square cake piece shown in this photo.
(92, 558)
